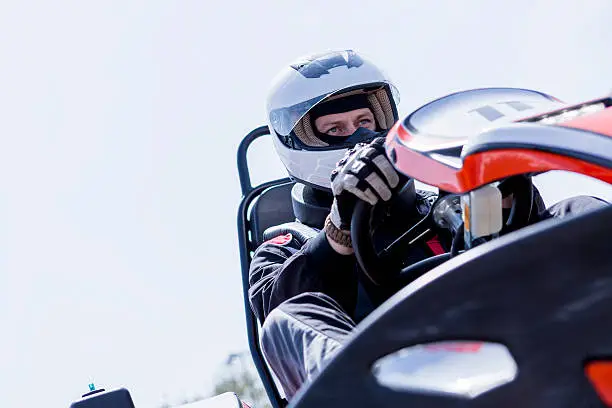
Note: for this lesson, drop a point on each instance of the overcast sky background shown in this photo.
(118, 186)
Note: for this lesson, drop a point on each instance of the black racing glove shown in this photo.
(364, 173)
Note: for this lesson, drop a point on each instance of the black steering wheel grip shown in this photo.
(380, 271)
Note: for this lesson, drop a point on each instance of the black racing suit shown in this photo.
(310, 298)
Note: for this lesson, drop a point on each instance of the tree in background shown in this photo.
(240, 377)
(237, 375)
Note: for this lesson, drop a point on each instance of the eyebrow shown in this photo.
(334, 122)
(360, 116)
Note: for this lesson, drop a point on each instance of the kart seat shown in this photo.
(274, 212)
(272, 207)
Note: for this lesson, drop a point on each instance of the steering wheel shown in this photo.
(384, 268)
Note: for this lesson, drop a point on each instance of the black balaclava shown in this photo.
(340, 105)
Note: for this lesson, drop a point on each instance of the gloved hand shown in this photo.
(364, 173)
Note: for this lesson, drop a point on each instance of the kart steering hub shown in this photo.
(385, 267)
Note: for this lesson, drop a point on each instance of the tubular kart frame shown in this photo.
(247, 240)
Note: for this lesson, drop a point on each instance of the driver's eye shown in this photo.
(333, 130)
(365, 121)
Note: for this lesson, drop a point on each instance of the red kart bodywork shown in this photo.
(417, 156)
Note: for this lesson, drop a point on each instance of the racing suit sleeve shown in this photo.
(281, 271)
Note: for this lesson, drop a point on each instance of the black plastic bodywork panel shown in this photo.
(544, 291)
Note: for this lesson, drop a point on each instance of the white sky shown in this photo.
(118, 187)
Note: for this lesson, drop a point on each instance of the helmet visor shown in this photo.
(301, 87)
(284, 119)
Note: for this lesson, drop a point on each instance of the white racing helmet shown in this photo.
(306, 83)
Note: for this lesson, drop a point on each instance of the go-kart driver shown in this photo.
(328, 115)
